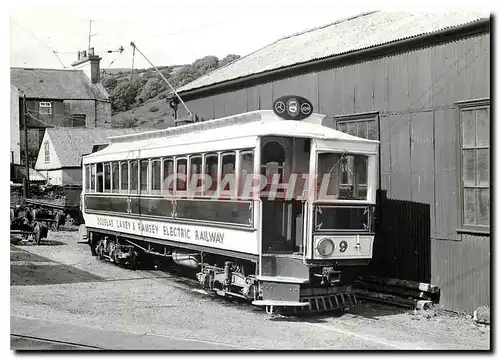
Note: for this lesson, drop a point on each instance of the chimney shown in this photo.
(89, 63)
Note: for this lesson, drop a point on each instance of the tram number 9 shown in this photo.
(343, 246)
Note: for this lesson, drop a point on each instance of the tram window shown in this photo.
(195, 171)
(211, 164)
(134, 176)
(168, 172)
(228, 165)
(107, 177)
(181, 174)
(246, 169)
(144, 173)
(87, 177)
(92, 177)
(124, 179)
(100, 178)
(155, 176)
(342, 176)
(115, 180)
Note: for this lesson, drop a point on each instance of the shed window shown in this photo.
(475, 165)
(361, 125)
(115, 176)
(155, 176)
(144, 176)
(134, 176)
(46, 150)
(124, 177)
(78, 120)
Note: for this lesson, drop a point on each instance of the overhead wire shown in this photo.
(41, 42)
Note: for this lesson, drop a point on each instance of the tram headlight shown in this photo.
(325, 247)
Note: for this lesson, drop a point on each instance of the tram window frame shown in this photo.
(155, 175)
(106, 177)
(87, 178)
(92, 178)
(133, 181)
(144, 179)
(99, 173)
(214, 179)
(183, 186)
(168, 188)
(115, 179)
(199, 171)
(228, 187)
(124, 177)
(242, 178)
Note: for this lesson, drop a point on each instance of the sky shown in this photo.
(167, 33)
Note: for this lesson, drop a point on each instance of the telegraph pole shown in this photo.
(90, 32)
(24, 114)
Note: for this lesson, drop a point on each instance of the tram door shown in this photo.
(279, 216)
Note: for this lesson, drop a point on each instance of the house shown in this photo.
(56, 98)
(60, 157)
(419, 83)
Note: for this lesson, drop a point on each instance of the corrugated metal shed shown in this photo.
(56, 84)
(71, 144)
(357, 33)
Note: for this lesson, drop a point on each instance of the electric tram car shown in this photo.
(267, 205)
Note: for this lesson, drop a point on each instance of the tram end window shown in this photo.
(124, 177)
(228, 175)
(181, 175)
(107, 177)
(87, 178)
(155, 176)
(246, 174)
(196, 181)
(100, 178)
(134, 177)
(144, 176)
(211, 173)
(168, 177)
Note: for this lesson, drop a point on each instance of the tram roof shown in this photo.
(248, 125)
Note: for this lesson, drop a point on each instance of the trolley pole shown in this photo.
(26, 157)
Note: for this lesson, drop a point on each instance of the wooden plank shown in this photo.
(395, 290)
(403, 283)
(390, 299)
(325, 92)
(363, 87)
(419, 78)
(399, 127)
(398, 82)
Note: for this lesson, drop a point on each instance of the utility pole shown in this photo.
(26, 184)
(90, 32)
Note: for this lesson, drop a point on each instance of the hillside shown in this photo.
(138, 98)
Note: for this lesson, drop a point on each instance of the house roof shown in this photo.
(56, 84)
(70, 144)
(341, 37)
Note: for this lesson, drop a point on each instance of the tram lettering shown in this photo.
(175, 231)
(104, 222)
(148, 228)
(123, 224)
(209, 236)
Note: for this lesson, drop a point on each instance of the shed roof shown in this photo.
(70, 144)
(341, 37)
(56, 84)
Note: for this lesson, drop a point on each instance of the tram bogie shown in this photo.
(261, 208)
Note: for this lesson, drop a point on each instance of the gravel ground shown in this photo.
(155, 302)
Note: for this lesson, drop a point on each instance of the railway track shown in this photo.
(33, 340)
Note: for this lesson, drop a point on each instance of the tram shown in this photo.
(268, 205)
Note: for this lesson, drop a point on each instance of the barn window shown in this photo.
(474, 121)
(78, 120)
(155, 176)
(46, 149)
(124, 177)
(168, 174)
(144, 176)
(134, 176)
(107, 177)
(181, 174)
(360, 125)
(45, 107)
(115, 176)
(211, 164)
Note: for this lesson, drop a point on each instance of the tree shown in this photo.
(228, 59)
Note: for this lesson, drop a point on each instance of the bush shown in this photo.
(153, 109)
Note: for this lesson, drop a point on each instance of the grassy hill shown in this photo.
(138, 98)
